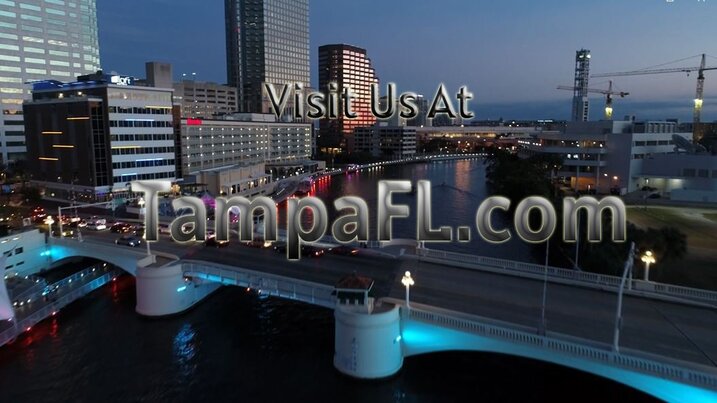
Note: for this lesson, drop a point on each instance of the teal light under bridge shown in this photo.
(422, 338)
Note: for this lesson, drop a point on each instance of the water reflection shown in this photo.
(185, 350)
(458, 188)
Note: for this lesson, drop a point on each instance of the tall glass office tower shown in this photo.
(267, 41)
(350, 66)
(40, 40)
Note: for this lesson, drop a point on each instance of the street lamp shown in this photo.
(140, 202)
(407, 281)
(618, 315)
(49, 221)
(648, 258)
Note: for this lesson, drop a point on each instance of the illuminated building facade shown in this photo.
(92, 137)
(345, 65)
(242, 139)
(40, 40)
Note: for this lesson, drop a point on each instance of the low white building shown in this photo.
(683, 177)
(242, 139)
(605, 155)
(393, 142)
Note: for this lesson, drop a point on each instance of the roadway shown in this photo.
(674, 330)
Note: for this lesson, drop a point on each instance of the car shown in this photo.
(654, 195)
(38, 213)
(258, 243)
(312, 251)
(121, 228)
(345, 250)
(164, 229)
(66, 232)
(96, 226)
(81, 224)
(97, 219)
(129, 240)
(212, 241)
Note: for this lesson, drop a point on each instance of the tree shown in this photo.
(667, 243)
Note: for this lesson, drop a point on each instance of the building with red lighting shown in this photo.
(345, 65)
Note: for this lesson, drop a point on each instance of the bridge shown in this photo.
(484, 305)
(51, 299)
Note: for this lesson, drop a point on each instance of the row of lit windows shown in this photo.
(142, 163)
(11, 69)
(139, 123)
(148, 176)
(129, 150)
(141, 137)
(140, 111)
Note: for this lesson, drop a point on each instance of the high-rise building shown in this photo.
(345, 65)
(89, 139)
(205, 100)
(580, 86)
(267, 42)
(40, 40)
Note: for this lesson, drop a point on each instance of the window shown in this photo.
(18, 250)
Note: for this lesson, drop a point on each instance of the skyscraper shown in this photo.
(267, 42)
(40, 40)
(345, 65)
(580, 88)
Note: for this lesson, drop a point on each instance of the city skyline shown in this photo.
(502, 85)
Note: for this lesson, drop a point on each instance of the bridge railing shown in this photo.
(681, 371)
(264, 283)
(594, 280)
(47, 310)
(42, 288)
(32, 292)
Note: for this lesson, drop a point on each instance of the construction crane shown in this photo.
(608, 100)
(699, 94)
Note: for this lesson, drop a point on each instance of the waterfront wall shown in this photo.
(165, 291)
(368, 346)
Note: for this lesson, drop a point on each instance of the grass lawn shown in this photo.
(699, 268)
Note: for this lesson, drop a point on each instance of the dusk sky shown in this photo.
(510, 53)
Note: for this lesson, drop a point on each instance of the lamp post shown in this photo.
(140, 202)
(543, 326)
(407, 281)
(618, 314)
(49, 221)
(648, 258)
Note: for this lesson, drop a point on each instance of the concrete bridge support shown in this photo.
(368, 345)
(165, 291)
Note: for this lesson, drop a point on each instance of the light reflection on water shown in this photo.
(184, 350)
(236, 346)
(457, 189)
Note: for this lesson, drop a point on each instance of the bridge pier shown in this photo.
(165, 291)
(368, 342)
